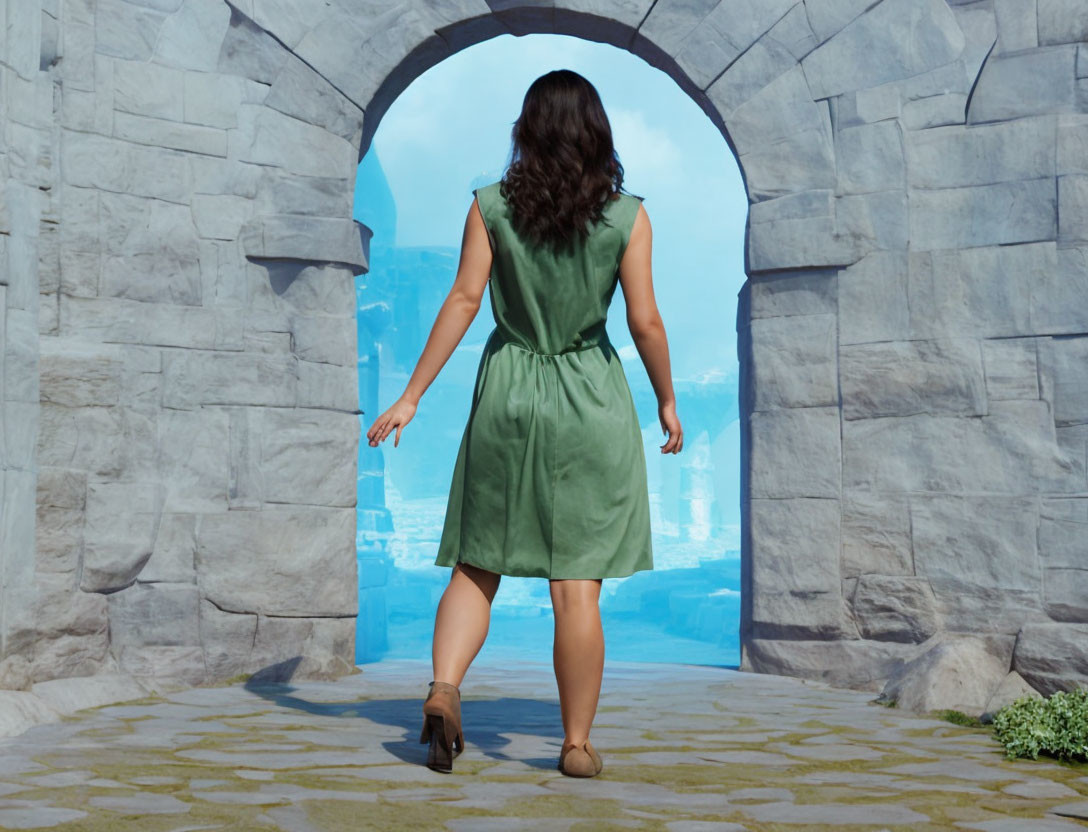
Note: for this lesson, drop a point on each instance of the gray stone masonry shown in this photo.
(178, 389)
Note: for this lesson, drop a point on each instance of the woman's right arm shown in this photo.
(646, 327)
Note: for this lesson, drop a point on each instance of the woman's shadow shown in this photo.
(483, 721)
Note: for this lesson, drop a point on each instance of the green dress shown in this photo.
(550, 476)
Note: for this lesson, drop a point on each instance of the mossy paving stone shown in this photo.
(329, 758)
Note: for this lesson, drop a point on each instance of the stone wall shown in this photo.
(179, 387)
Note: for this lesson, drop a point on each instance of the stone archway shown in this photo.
(179, 400)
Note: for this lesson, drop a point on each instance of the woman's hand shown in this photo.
(666, 413)
(397, 416)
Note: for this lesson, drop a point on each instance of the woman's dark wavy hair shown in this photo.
(564, 167)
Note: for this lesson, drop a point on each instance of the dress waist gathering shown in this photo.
(596, 339)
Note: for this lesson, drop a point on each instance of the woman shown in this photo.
(550, 477)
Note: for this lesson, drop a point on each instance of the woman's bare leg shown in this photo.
(462, 620)
(578, 653)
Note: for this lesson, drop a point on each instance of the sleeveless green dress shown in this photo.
(550, 476)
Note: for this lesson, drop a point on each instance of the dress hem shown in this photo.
(549, 577)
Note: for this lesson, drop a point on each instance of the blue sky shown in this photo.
(450, 132)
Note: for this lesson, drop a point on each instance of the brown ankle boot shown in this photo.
(579, 760)
(442, 725)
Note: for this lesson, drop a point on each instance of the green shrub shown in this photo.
(1058, 726)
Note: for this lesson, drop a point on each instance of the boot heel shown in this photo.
(440, 754)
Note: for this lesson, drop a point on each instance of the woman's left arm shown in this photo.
(453, 320)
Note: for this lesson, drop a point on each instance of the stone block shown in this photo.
(962, 543)
(320, 239)
(895, 608)
(1012, 450)
(172, 664)
(396, 44)
(1052, 656)
(1012, 687)
(984, 292)
(90, 439)
(800, 162)
(300, 92)
(328, 339)
(192, 138)
(1063, 532)
(124, 31)
(1063, 377)
(754, 69)
(174, 551)
(119, 534)
(1063, 552)
(1072, 150)
(873, 299)
(807, 292)
(193, 36)
(308, 456)
(21, 710)
(1073, 441)
(220, 216)
(149, 251)
(228, 641)
(956, 670)
(63, 631)
(287, 562)
(1065, 592)
(212, 99)
(781, 108)
(1062, 21)
(20, 354)
(891, 40)
(59, 520)
(266, 137)
(798, 231)
(1028, 83)
(19, 432)
(669, 26)
(877, 220)
(1017, 25)
(795, 452)
(856, 663)
(17, 533)
(194, 448)
(870, 157)
(1006, 212)
(147, 614)
(1072, 209)
(958, 156)
(80, 374)
(328, 386)
(875, 532)
(317, 196)
(901, 378)
(795, 568)
(304, 648)
(67, 696)
(921, 114)
(830, 16)
(192, 379)
(1056, 295)
(1011, 368)
(148, 89)
(211, 175)
(794, 361)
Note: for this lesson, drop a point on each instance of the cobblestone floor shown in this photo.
(685, 749)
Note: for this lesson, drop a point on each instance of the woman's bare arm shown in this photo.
(453, 320)
(647, 328)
